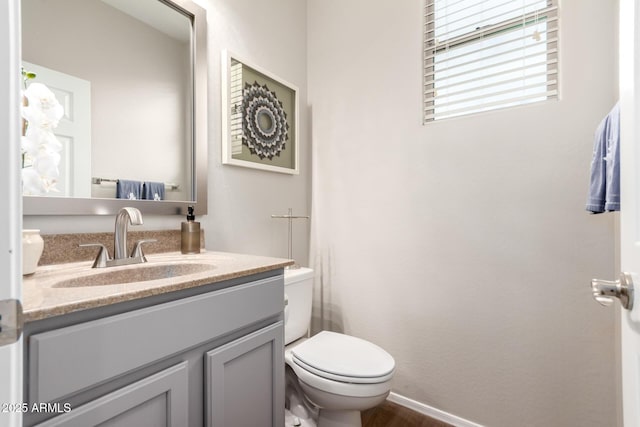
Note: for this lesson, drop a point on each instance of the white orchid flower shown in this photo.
(42, 176)
(42, 138)
(31, 182)
(46, 164)
(29, 146)
(40, 147)
(43, 110)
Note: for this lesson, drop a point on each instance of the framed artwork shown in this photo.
(259, 118)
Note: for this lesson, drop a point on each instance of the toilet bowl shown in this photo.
(338, 375)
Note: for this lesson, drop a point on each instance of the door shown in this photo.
(630, 213)
(73, 131)
(10, 213)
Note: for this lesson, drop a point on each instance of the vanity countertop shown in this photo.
(42, 299)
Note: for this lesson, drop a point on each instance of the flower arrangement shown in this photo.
(41, 113)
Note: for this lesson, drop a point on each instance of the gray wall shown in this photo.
(462, 247)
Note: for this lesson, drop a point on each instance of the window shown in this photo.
(482, 55)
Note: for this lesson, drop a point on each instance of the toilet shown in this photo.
(331, 377)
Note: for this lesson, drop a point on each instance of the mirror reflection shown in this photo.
(121, 70)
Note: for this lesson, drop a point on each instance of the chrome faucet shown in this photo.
(124, 217)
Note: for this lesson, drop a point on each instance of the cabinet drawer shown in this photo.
(67, 360)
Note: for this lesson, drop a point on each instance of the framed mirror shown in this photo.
(132, 80)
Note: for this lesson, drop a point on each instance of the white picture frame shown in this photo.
(259, 118)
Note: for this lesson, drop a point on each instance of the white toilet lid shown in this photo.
(344, 358)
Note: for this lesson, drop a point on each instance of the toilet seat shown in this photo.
(348, 390)
(343, 358)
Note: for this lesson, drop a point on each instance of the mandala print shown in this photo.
(264, 122)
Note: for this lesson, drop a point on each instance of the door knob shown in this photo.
(604, 291)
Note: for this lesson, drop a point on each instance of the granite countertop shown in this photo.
(42, 298)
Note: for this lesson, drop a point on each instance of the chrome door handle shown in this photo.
(604, 291)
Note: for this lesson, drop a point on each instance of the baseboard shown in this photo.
(430, 411)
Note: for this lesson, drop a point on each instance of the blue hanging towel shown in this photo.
(127, 189)
(153, 190)
(604, 188)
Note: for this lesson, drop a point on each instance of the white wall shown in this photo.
(272, 35)
(462, 247)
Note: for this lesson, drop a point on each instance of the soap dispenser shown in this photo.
(190, 237)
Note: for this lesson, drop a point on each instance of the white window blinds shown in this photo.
(483, 55)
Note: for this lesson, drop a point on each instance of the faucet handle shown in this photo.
(137, 249)
(103, 254)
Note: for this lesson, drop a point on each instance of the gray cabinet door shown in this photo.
(156, 401)
(245, 380)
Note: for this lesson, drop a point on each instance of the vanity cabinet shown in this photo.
(207, 356)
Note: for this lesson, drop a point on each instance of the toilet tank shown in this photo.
(298, 291)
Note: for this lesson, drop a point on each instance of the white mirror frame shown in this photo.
(42, 205)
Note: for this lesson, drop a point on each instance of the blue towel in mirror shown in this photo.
(127, 189)
(153, 191)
